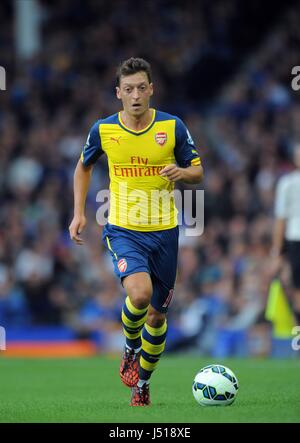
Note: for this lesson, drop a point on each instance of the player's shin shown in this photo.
(133, 320)
(153, 345)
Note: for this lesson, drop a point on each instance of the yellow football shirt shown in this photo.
(140, 199)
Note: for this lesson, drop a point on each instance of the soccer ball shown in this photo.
(215, 385)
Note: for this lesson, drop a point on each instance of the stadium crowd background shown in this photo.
(225, 69)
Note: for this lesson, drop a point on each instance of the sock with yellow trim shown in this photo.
(133, 320)
(153, 345)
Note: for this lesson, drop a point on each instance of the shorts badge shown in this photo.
(122, 265)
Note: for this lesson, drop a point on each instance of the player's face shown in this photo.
(135, 92)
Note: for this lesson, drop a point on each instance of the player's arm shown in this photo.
(279, 227)
(191, 174)
(278, 237)
(188, 167)
(276, 253)
(281, 213)
(82, 177)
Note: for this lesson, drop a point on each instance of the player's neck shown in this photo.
(139, 122)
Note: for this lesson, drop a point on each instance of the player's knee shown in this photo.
(139, 290)
(155, 319)
(139, 296)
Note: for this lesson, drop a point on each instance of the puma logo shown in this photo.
(116, 139)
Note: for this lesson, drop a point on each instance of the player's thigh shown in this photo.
(163, 262)
(162, 294)
(138, 287)
(163, 266)
(128, 255)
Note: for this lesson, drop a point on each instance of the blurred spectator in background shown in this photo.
(287, 227)
(99, 319)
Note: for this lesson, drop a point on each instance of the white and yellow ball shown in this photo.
(215, 385)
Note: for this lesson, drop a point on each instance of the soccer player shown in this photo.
(286, 231)
(147, 150)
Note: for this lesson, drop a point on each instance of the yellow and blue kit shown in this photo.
(142, 231)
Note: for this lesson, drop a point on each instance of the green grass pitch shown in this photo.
(89, 390)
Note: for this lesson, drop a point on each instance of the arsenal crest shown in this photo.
(122, 265)
(161, 138)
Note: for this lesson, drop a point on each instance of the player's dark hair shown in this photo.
(132, 66)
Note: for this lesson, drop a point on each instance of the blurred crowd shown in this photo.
(245, 138)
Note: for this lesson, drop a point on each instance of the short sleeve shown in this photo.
(185, 151)
(92, 149)
(281, 199)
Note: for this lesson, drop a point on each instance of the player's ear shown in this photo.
(118, 92)
(151, 89)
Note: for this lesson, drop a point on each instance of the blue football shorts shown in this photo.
(154, 252)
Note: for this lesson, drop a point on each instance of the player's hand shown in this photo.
(172, 173)
(76, 227)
